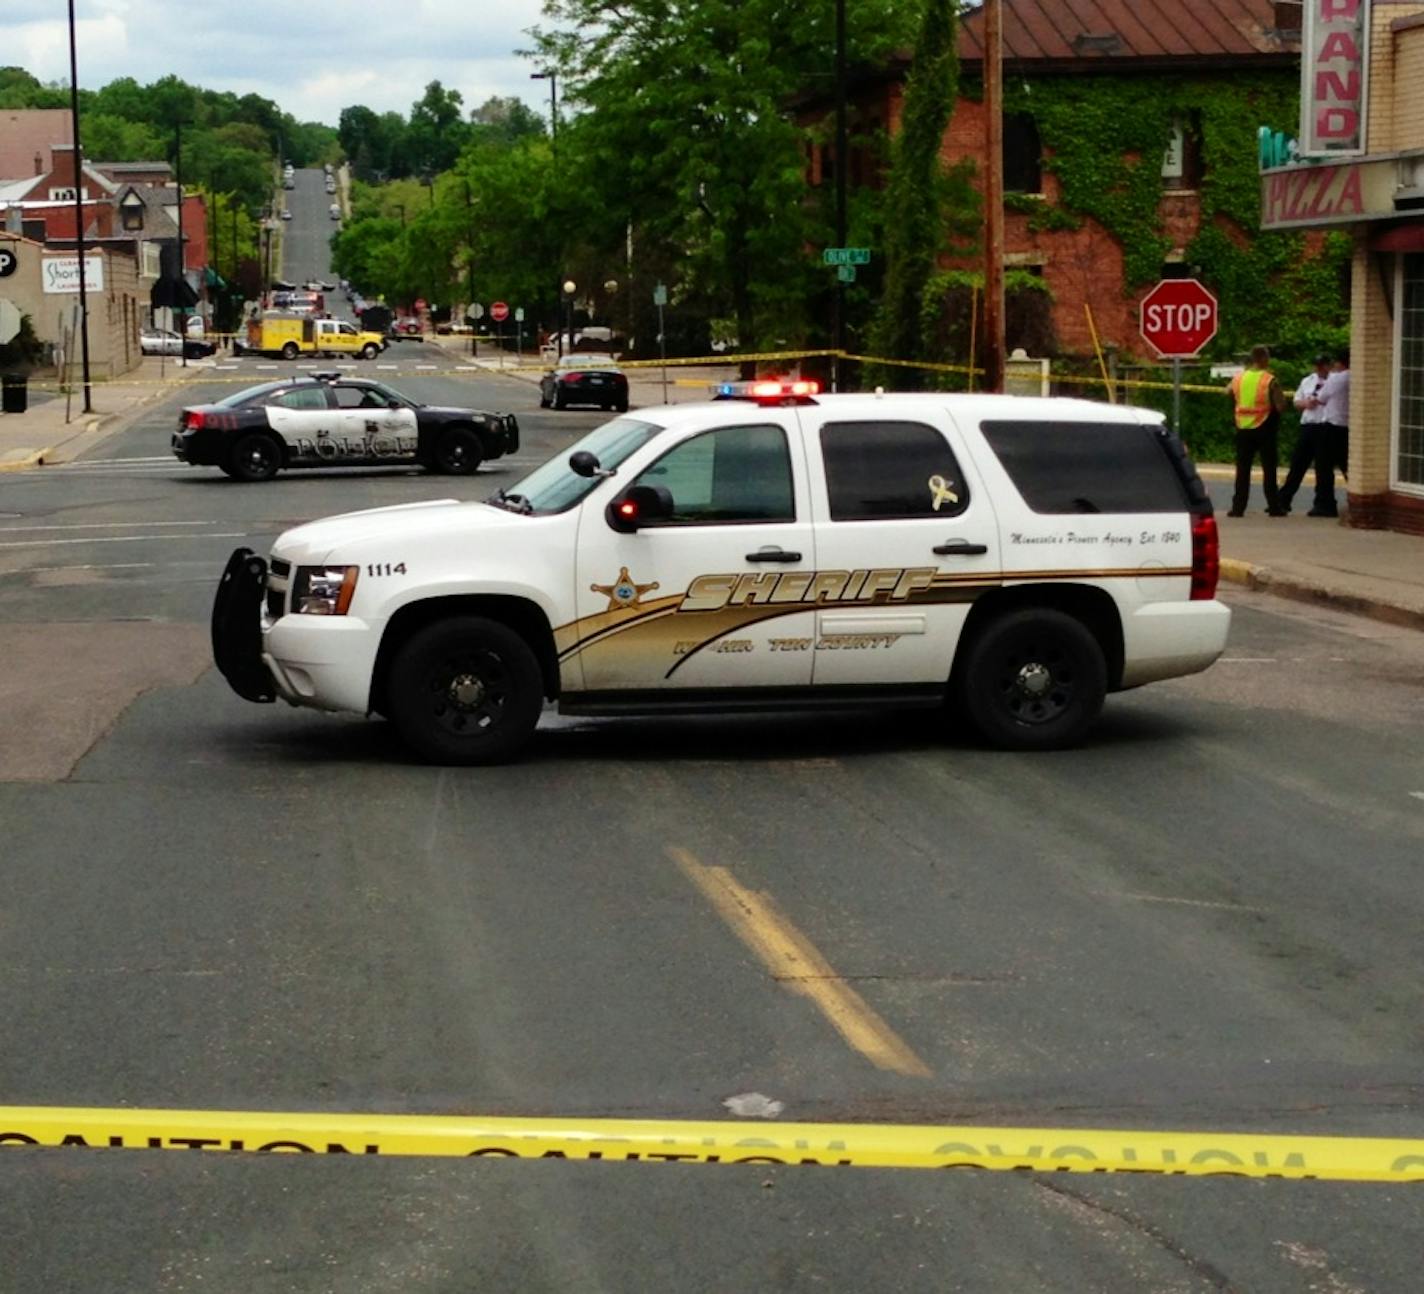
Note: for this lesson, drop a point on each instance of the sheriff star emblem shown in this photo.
(624, 594)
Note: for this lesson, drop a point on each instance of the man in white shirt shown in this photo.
(1334, 446)
(1307, 445)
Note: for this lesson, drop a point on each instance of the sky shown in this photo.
(311, 59)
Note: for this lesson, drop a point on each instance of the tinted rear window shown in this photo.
(1086, 467)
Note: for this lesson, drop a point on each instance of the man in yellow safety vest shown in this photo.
(1259, 403)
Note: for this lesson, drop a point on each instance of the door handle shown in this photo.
(959, 548)
(773, 555)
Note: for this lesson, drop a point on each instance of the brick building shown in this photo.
(1374, 190)
(1158, 39)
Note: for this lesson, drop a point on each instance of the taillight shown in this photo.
(571, 377)
(1206, 558)
(194, 418)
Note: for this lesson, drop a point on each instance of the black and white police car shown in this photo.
(327, 420)
(1018, 558)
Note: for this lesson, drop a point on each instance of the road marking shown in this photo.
(105, 525)
(269, 366)
(1167, 898)
(431, 367)
(1249, 660)
(469, 368)
(723, 1141)
(387, 365)
(88, 566)
(1418, 795)
(119, 539)
(794, 961)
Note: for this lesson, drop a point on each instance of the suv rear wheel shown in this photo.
(370, 350)
(1034, 679)
(291, 350)
(466, 690)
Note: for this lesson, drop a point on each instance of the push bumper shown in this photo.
(237, 627)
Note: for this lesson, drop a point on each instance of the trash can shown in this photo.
(14, 393)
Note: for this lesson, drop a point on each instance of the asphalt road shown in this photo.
(306, 237)
(1206, 919)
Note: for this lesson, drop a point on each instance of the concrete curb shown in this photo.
(1261, 579)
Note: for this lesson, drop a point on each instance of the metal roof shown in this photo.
(1076, 33)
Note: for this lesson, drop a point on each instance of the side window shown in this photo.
(879, 470)
(357, 397)
(347, 330)
(302, 397)
(1078, 467)
(736, 474)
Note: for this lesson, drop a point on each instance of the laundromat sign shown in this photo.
(1334, 75)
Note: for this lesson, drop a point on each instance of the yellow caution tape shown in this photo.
(1074, 1150)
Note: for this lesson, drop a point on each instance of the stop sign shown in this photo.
(1179, 317)
(499, 312)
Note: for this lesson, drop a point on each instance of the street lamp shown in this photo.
(570, 287)
(553, 79)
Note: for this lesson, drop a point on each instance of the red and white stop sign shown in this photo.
(1179, 317)
(499, 312)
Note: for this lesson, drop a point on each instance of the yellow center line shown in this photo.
(798, 965)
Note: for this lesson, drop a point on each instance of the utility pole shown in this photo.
(553, 79)
(79, 207)
(842, 165)
(470, 266)
(993, 196)
(182, 247)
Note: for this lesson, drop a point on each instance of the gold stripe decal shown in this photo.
(858, 1145)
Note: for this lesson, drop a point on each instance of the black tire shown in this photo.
(457, 452)
(465, 691)
(559, 401)
(621, 406)
(1033, 680)
(254, 457)
(291, 350)
(370, 350)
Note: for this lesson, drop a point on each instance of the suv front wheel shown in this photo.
(1034, 679)
(466, 690)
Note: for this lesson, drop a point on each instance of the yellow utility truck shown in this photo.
(289, 335)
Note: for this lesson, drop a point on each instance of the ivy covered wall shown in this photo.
(1104, 137)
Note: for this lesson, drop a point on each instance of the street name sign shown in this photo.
(845, 256)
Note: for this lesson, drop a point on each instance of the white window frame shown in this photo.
(1397, 485)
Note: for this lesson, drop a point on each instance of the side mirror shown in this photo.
(638, 505)
(582, 463)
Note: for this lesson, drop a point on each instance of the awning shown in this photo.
(1399, 238)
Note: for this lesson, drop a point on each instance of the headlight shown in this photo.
(324, 590)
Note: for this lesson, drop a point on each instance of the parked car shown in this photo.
(406, 329)
(584, 379)
(160, 341)
(286, 213)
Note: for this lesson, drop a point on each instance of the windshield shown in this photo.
(556, 487)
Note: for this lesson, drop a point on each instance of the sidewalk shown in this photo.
(41, 435)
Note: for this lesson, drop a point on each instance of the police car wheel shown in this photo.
(256, 457)
(465, 691)
(1034, 680)
(457, 452)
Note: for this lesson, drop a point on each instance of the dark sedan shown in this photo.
(584, 379)
(332, 421)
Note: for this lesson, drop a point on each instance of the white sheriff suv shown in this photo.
(1013, 558)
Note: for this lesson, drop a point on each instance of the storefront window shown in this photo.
(1409, 464)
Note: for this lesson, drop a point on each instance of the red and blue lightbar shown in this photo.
(768, 390)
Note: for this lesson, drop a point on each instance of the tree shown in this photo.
(687, 137)
(502, 122)
(917, 189)
(437, 130)
(18, 89)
